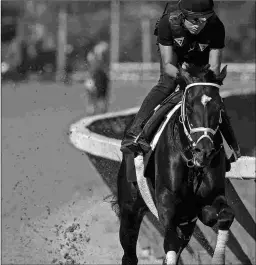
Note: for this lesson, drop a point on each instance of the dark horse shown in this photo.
(185, 174)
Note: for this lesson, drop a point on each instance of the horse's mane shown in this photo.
(201, 73)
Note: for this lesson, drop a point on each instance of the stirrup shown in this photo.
(130, 146)
(137, 138)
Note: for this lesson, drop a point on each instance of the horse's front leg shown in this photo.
(131, 215)
(219, 213)
(185, 233)
(166, 205)
(225, 218)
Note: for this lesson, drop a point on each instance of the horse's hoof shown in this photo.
(129, 261)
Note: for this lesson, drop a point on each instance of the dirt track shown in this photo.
(53, 207)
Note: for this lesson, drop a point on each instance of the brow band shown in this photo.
(203, 84)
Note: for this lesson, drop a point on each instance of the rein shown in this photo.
(183, 151)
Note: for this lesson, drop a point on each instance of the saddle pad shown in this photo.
(162, 126)
(130, 167)
(153, 122)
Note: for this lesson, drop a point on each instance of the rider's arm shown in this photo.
(165, 42)
(169, 60)
(215, 59)
(216, 48)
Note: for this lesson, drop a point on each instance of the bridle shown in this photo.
(207, 132)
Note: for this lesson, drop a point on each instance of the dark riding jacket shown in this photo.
(170, 31)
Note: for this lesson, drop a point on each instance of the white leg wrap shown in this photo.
(219, 253)
(171, 258)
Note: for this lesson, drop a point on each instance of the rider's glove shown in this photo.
(179, 80)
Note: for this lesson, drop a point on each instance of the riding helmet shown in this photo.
(196, 8)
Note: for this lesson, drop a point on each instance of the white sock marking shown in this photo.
(171, 258)
(219, 253)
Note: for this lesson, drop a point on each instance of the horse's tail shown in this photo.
(115, 204)
(115, 199)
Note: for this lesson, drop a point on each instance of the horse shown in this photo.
(185, 173)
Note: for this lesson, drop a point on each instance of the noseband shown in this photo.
(183, 118)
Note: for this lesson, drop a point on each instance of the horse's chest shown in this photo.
(197, 185)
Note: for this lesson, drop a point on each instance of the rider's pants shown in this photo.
(164, 87)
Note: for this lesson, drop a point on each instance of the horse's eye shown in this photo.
(189, 108)
(217, 107)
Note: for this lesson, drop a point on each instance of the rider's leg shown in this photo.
(165, 87)
(229, 135)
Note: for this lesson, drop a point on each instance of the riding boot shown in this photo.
(229, 135)
(133, 142)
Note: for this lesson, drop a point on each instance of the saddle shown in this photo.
(152, 123)
(150, 127)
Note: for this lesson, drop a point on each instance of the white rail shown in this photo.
(82, 138)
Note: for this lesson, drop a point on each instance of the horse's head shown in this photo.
(201, 111)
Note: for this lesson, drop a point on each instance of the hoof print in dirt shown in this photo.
(72, 228)
(68, 259)
(72, 240)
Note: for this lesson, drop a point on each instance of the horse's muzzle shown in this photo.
(203, 157)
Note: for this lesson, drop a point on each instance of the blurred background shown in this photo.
(49, 37)
(62, 60)
(97, 42)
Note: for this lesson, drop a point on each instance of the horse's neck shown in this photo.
(179, 136)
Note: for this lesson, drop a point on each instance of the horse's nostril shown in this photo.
(213, 151)
(197, 150)
(210, 152)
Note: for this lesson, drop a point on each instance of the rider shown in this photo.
(188, 32)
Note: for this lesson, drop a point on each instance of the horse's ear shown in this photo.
(183, 69)
(206, 67)
(222, 74)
